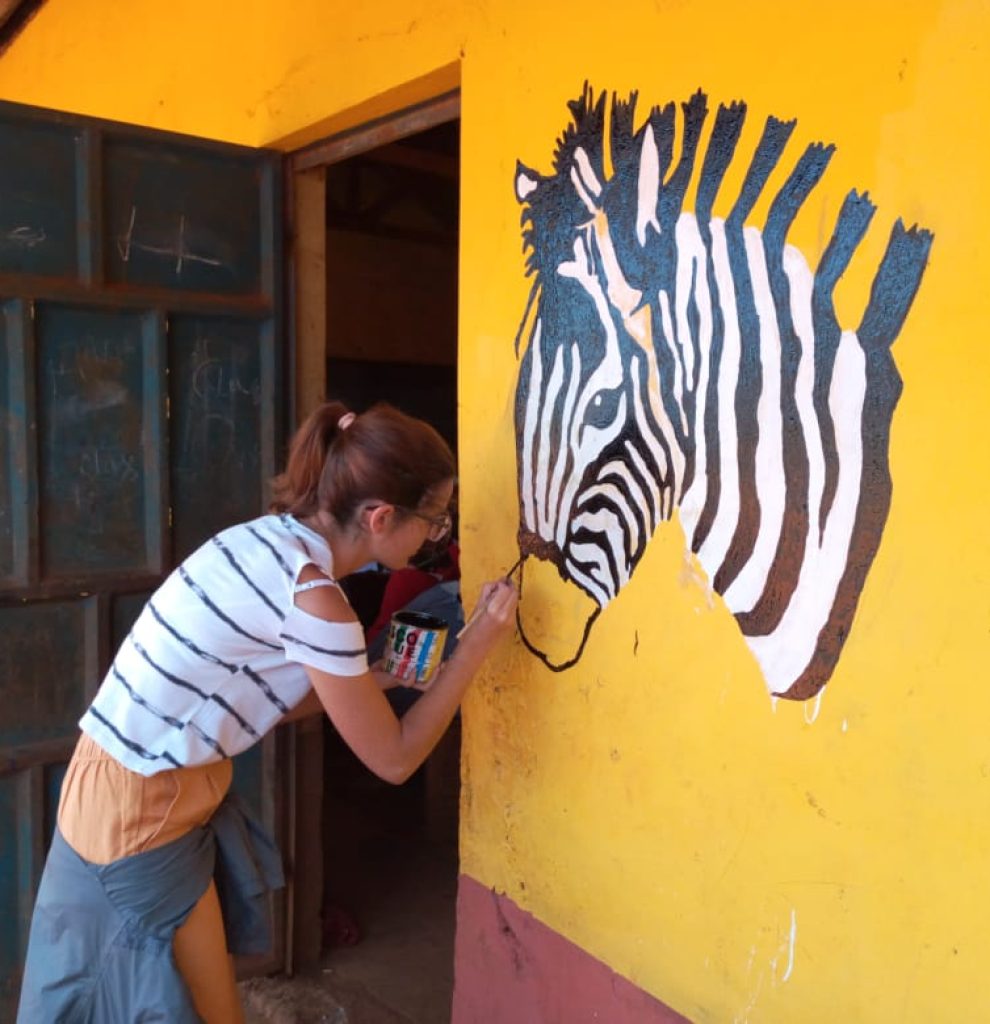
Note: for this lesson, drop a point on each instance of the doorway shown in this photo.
(389, 248)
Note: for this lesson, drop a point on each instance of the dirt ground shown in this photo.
(391, 860)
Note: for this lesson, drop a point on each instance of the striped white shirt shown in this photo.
(216, 657)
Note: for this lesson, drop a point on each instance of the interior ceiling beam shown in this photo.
(440, 239)
(379, 132)
(410, 158)
(384, 196)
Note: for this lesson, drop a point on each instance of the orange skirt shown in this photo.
(106, 812)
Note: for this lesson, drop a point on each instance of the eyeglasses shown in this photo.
(439, 525)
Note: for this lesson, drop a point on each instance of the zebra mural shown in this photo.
(676, 360)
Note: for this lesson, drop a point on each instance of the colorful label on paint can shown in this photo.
(414, 646)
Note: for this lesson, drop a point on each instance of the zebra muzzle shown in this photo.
(554, 615)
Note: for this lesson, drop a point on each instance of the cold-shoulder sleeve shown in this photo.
(334, 647)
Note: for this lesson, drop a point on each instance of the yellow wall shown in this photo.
(656, 807)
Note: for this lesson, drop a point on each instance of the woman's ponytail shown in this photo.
(387, 457)
(296, 491)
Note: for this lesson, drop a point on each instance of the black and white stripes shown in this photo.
(216, 656)
(675, 359)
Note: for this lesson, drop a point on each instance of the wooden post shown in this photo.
(309, 261)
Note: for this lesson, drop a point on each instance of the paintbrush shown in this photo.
(479, 608)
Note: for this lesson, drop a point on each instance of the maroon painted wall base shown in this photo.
(511, 969)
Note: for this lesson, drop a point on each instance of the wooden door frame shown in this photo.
(306, 289)
(305, 205)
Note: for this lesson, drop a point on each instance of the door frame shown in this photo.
(306, 291)
(305, 207)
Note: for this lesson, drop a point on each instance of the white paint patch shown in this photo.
(692, 283)
(712, 552)
(784, 654)
(670, 340)
(746, 588)
(845, 725)
(692, 501)
(792, 937)
(667, 323)
(529, 427)
(648, 188)
(621, 293)
(582, 192)
(585, 181)
(588, 176)
(563, 455)
(743, 1016)
(525, 186)
(816, 706)
(544, 513)
(782, 960)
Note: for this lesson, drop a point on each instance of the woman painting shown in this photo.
(154, 874)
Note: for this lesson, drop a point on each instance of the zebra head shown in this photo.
(673, 359)
(595, 476)
(601, 462)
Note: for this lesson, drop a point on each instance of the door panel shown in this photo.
(221, 450)
(17, 490)
(141, 356)
(97, 401)
(7, 481)
(38, 218)
(124, 609)
(169, 228)
(47, 663)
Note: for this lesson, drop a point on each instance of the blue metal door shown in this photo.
(141, 363)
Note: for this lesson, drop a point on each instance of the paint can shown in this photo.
(414, 646)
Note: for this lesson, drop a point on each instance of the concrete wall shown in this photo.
(731, 855)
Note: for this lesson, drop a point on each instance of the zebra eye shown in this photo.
(604, 408)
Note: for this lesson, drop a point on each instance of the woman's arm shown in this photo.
(308, 706)
(390, 747)
(312, 705)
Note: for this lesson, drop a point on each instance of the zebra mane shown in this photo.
(553, 211)
(587, 129)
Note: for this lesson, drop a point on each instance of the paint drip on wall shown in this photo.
(675, 360)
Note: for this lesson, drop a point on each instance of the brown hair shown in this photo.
(381, 454)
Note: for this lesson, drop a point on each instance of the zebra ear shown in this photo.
(648, 186)
(527, 182)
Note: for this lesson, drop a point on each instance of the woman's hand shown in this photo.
(391, 748)
(494, 615)
(497, 604)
